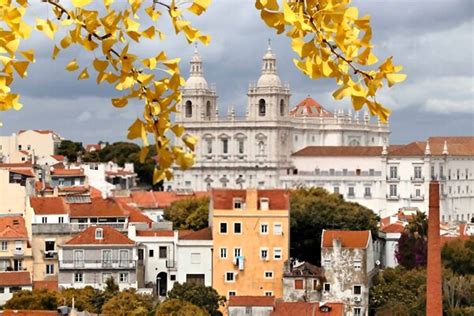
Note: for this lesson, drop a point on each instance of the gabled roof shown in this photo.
(135, 215)
(397, 227)
(348, 238)
(98, 207)
(15, 278)
(48, 205)
(25, 172)
(111, 236)
(202, 234)
(252, 301)
(28, 312)
(13, 227)
(158, 199)
(39, 131)
(27, 164)
(67, 172)
(222, 199)
(309, 107)
(58, 157)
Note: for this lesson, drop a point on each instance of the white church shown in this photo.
(255, 150)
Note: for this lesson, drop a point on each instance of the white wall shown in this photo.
(6, 295)
(190, 248)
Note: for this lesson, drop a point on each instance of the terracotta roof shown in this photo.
(349, 238)
(397, 227)
(39, 131)
(337, 151)
(24, 152)
(111, 236)
(165, 199)
(74, 189)
(203, 234)
(136, 216)
(51, 285)
(13, 227)
(222, 199)
(309, 107)
(15, 278)
(39, 186)
(27, 312)
(144, 199)
(307, 308)
(155, 233)
(98, 207)
(251, 301)
(58, 157)
(25, 172)
(27, 164)
(96, 147)
(67, 172)
(48, 205)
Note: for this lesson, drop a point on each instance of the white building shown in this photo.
(13, 281)
(174, 256)
(255, 150)
(22, 146)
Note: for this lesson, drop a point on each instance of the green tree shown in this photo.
(128, 302)
(458, 255)
(176, 307)
(413, 243)
(40, 299)
(188, 214)
(70, 149)
(203, 296)
(313, 210)
(119, 152)
(85, 299)
(458, 294)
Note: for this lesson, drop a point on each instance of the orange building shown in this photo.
(251, 237)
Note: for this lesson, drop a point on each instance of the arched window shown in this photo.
(261, 107)
(208, 109)
(189, 109)
(354, 142)
(282, 107)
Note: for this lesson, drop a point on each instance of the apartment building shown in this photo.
(15, 249)
(17, 182)
(12, 282)
(250, 231)
(25, 144)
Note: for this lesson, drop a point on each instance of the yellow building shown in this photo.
(250, 231)
(15, 249)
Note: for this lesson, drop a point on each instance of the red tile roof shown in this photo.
(111, 236)
(158, 199)
(25, 172)
(135, 215)
(48, 205)
(397, 227)
(24, 152)
(349, 238)
(15, 278)
(203, 234)
(155, 233)
(51, 285)
(98, 207)
(27, 164)
(222, 199)
(251, 301)
(307, 308)
(39, 131)
(67, 172)
(309, 107)
(58, 157)
(13, 227)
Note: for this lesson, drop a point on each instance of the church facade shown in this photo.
(255, 150)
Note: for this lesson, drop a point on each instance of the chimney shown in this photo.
(434, 298)
(251, 199)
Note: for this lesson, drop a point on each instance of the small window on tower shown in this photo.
(189, 109)
(261, 107)
(282, 107)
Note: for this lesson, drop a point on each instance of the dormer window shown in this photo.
(264, 204)
(237, 204)
(99, 233)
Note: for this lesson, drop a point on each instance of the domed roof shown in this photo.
(309, 107)
(269, 80)
(196, 82)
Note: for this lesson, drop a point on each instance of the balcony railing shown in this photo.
(393, 197)
(417, 197)
(417, 179)
(327, 173)
(367, 195)
(50, 254)
(63, 228)
(393, 179)
(97, 264)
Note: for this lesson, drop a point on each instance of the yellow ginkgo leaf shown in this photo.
(20, 67)
(136, 130)
(199, 6)
(80, 3)
(72, 66)
(56, 51)
(83, 75)
(395, 78)
(144, 153)
(29, 54)
(119, 102)
(100, 65)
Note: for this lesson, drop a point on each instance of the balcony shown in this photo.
(417, 197)
(97, 264)
(171, 264)
(18, 252)
(50, 254)
(417, 179)
(393, 179)
(392, 197)
(67, 228)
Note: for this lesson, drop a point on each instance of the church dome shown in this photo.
(269, 80)
(269, 76)
(196, 82)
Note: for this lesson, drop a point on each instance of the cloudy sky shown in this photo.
(432, 39)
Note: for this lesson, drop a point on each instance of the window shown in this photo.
(223, 228)
(240, 144)
(264, 204)
(282, 107)
(263, 229)
(417, 192)
(189, 109)
(458, 172)
(336, 190)
(393, 172)
(2, 290)
(195, 258)
(151, 253)
(367, 192)
(19, 147)
(225, 146)
(163, 252)
(393, 190)
(351, 193)
(268, 293)
(261, 107)
(123, 258)
(61, 219)
(44, 220)
(315, 284)
(123, 277)
(208, 109)
(277, 229)
(238, 204)
(229, 277)
(357, 290)
(78, 277)
(441, 171)
(196, 279)
(248, 310)
(14, 289)
(172, 277)
(417, 172)
(327, 287)
(237, 228)
(264, 253)
(268, 274)
(277, 253)
(99, 233)
(4, 245)
(232, 293)
(327, 263)
(107, 257)
(50, 269)
(28, 147)
(237, 252)
(298, 284)
(357, 264)
(79, 258)
(209, 146)
(223, 253)
(61, 181)
(357, 311)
